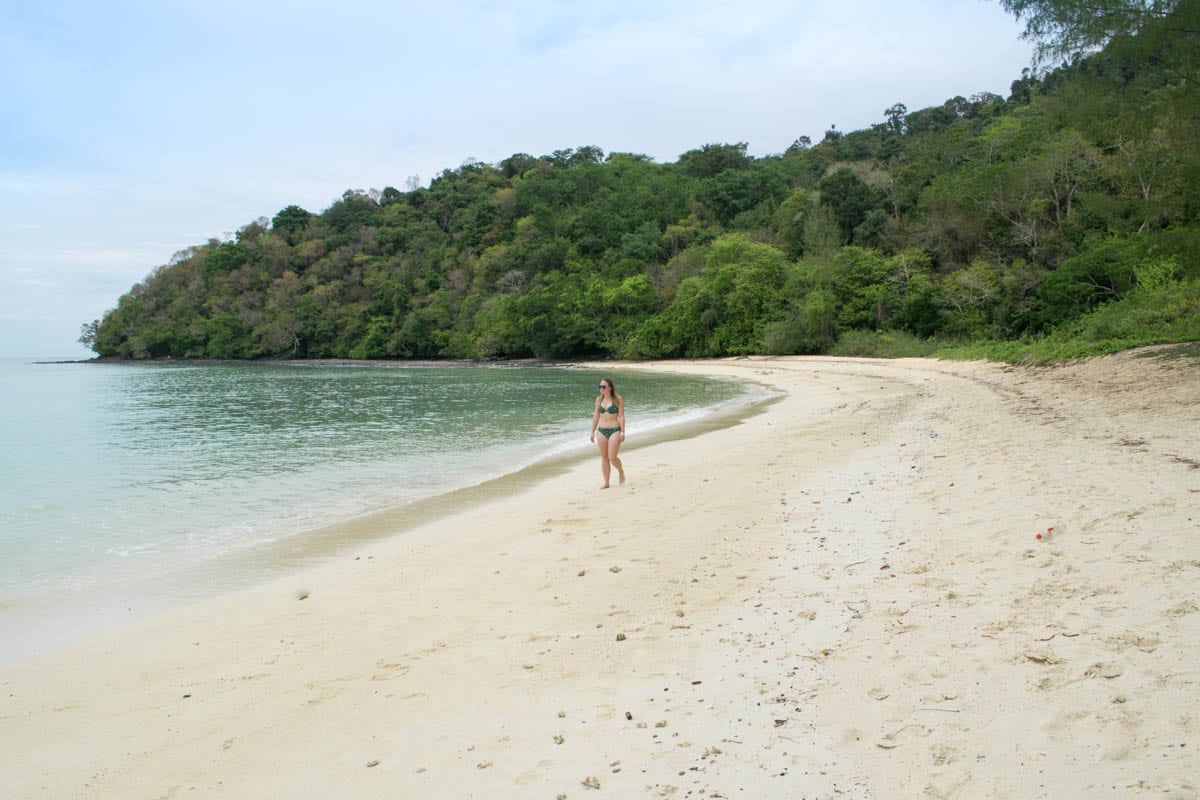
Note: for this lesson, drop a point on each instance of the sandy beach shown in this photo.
(844, 596)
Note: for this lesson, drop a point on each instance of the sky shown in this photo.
(133, 129)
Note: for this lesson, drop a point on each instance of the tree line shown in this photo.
(984, 218)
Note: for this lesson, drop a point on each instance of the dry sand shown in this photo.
(843, 596)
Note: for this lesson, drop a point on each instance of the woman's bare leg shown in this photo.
(614, 447)
(605, 467)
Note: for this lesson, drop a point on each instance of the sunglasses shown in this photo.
(604, 386)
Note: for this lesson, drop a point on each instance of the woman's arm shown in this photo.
(621, 416)
(595, 417)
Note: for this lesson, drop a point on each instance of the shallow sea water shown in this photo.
(119, 476)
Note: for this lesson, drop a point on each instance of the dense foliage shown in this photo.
(1070, 209)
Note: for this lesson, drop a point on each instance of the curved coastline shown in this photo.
(43, 624)
(263, 563)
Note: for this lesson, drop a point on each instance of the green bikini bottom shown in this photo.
(607, 432)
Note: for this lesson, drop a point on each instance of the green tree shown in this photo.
(1066, 29)
(735, 192)
(355, 210)
(713, 159)
(811, 329)
(849, 198)
(1084, 282)
(290, 222)
(222, 259)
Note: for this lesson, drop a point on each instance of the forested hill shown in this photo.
(984, 218)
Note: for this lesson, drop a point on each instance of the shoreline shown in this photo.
(35, 626)
(842, 595)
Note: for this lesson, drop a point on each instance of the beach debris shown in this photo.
(562, 715)
(889, 740)
(559, 738)
(679, 612)
(662, 723)
(614, 569)
(1053, 530)
(1102, 670)
(620, 637)
(779, 723)
(628, 715)
(303, 594)
(483, 765)
(582, 572)
(374, 762)
(591, 782)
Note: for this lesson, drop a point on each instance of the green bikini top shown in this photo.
(610, 410)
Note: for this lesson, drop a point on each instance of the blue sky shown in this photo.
(132, 129)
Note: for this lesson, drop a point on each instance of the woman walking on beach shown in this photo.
(609, 420)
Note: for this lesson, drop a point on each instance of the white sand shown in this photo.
(841, 597)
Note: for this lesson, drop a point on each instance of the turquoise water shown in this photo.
(116, 473)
